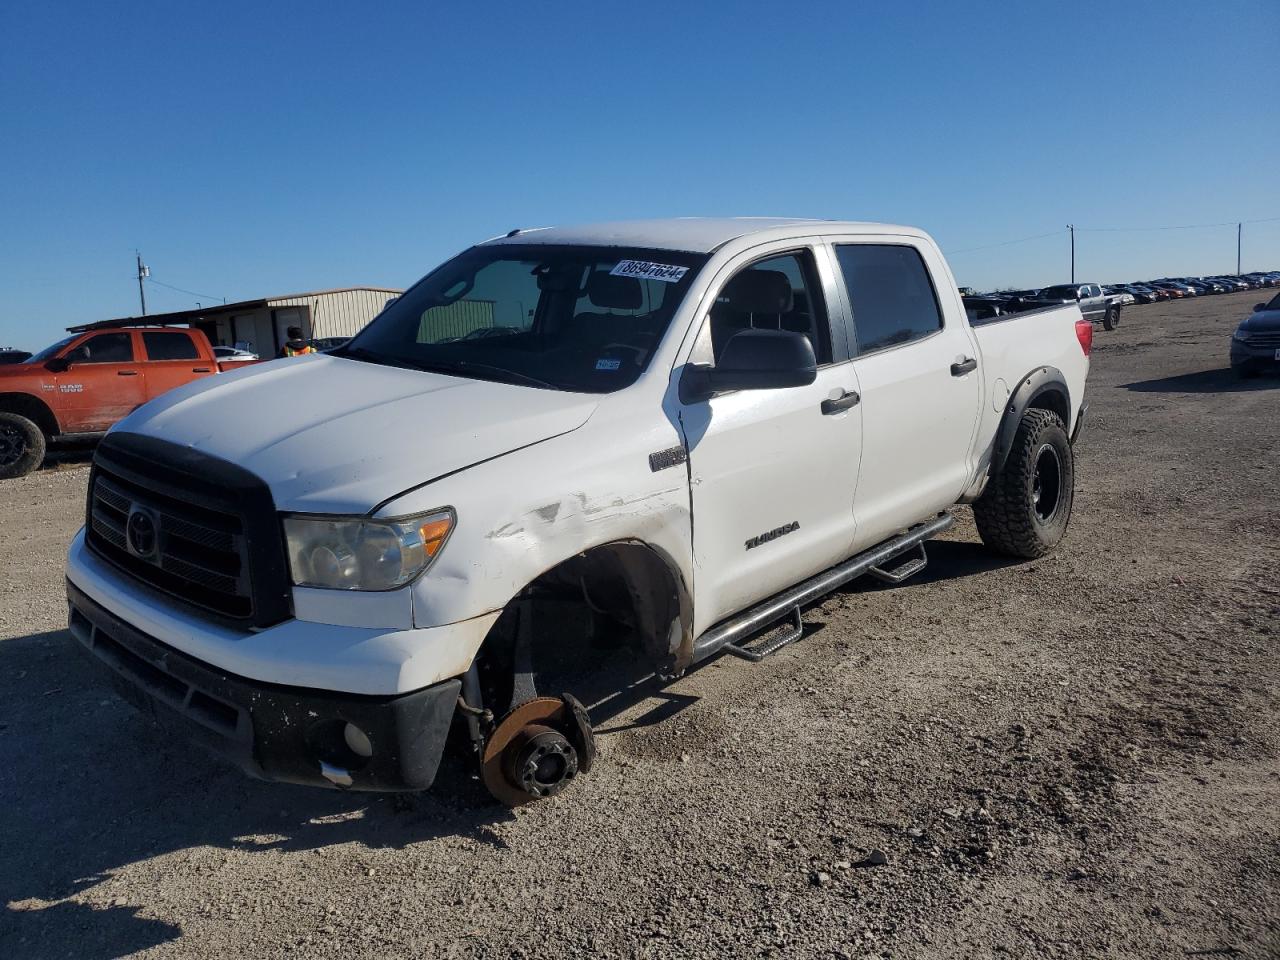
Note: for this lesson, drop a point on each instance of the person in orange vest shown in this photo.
(295, 346)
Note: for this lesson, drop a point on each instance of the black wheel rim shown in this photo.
(13, 445)
(1046, 486)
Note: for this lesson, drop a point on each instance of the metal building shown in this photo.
(262, 325)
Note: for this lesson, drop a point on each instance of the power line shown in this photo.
(1181, 226)
(1006, 243)
(202, 296)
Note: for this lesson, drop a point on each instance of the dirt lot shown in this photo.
(1074, 757)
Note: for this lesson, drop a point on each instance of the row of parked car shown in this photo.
(1172, 288)
(1102, 302)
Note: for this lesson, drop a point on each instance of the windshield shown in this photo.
(567, 318)
(50, 350)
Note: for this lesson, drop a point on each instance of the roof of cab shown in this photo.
(694, 234)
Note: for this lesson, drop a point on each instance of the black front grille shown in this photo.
(198, 528)
(1264, 340)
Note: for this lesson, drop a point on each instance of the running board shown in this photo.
(905, 570)
(749, 622)
(793, 632)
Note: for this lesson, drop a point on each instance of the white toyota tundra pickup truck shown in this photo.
(677, 432)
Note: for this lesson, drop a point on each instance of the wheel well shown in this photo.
(1053, 399)
(600, 605)
(32, 408)
(1043, 389)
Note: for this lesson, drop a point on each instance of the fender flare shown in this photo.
(1044, 387)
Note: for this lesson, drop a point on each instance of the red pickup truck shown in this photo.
(78, 387)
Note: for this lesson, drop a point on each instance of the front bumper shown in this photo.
(1246, 355)
(272, 732)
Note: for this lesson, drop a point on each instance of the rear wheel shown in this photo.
(1026, 507)
(21, 446)
(1111, 319)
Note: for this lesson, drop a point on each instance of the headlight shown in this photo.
(1241, 335)
(363, 554)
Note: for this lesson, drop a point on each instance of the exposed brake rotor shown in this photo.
(537, 749)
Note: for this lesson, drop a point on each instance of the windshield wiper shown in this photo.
(503, 371)
(360, 353)
(438, 366)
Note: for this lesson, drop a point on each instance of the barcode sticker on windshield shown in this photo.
(644, 270)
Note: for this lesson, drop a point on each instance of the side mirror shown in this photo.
(753, 360)
(57, 364)
(1259, 306)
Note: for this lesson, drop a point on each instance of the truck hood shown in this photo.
(334, 435)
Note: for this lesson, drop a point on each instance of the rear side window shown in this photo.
(170, 346)
(106, 348)
(890, 293)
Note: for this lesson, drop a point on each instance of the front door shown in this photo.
(921, 387)
(772, 475)
(103, 383)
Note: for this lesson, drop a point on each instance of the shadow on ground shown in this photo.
(67, 456)
(1204, 381)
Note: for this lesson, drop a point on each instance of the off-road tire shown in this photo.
(1010, 516)
(1111, 319)
(22, 446)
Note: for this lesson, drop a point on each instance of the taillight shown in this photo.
(1084, 333)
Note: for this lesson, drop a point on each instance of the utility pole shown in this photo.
(1072, 228)
(1239, 228)
(143, 272)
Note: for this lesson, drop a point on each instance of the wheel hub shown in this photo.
(1047, 483)
(537, 750)
(12, 445)
(543, 762)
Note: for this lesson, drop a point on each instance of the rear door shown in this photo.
(103, 384)
(173, 358)
(917, 364)
(772, 476)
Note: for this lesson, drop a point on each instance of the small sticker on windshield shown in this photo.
(645, 270)
(608, 364)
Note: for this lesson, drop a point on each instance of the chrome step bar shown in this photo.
(748, 622)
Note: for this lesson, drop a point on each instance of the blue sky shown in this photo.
(260, 149)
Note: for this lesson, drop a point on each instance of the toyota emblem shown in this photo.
(140, 532)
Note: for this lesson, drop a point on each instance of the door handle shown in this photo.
(199, 369)
(126, 373)
(850, 398)
(967, 365)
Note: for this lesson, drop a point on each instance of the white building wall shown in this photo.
(338, 313)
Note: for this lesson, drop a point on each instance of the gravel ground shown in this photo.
(1071, 757)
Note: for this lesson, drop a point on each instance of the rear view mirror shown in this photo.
(753, 360)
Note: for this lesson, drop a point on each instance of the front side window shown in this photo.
(170, 346)
(567, 318)
(890, 294)
(105, 348)
(780, 293)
